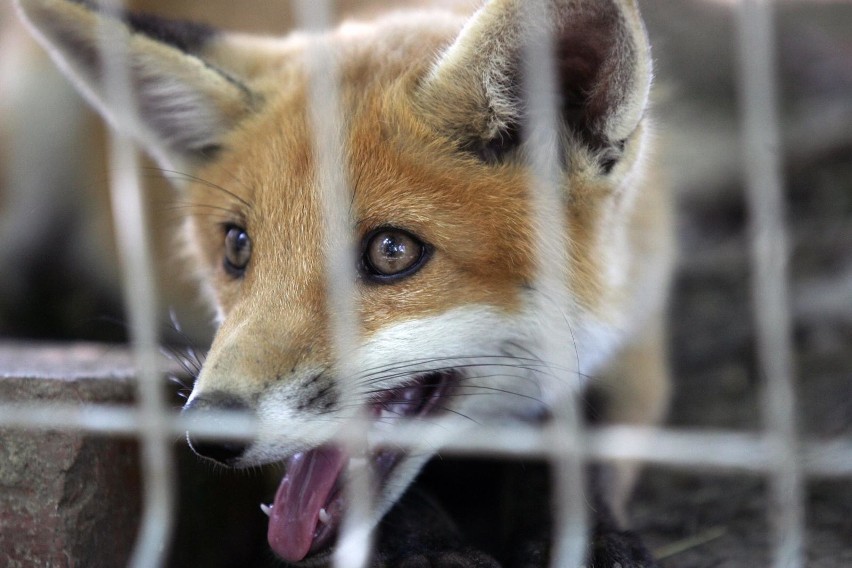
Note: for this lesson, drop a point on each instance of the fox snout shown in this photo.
(222, 452)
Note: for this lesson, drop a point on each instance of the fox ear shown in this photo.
(604, 73)
(185, 105)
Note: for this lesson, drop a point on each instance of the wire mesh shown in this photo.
(778, 453)
(326, 119)
(564, 434)
(769, 254)
(132, 232)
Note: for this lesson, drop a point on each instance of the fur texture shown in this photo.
(433, 136)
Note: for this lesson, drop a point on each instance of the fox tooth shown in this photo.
(267, 509)
(324, 517)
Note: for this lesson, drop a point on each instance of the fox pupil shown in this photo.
(393, 250)
(237, 250)
(392, 253)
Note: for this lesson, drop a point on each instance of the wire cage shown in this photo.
(778, 451)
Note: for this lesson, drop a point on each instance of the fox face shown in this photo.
(440, 224)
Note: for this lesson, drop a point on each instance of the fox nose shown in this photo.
(223, 452)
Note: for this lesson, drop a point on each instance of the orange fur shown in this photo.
(419, 100)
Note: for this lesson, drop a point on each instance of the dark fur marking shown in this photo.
(324, 396)
(189, 37)
(495, 150)
(611, 155)
(210, 151)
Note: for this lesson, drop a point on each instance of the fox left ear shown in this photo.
(601, 56)
(185, 104)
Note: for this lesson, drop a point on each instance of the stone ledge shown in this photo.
(67, 498)
(65, 362)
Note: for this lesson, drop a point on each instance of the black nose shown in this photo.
(223, 452)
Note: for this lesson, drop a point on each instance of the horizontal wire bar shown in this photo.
(716, 449)
(124, 420)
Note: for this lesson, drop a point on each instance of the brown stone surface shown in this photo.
(66, 498)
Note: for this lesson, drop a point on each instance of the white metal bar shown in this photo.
(769, 255)
(126, 420)
(327, 120)
(140, 299)
(546, 188)
(687, 449)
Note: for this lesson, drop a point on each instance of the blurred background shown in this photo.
(60, 279)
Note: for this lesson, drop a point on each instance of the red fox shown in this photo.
(433, 119)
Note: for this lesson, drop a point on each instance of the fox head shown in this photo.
(433, 148)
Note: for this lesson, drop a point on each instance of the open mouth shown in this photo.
(305, 516)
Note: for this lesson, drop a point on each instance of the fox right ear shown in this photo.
(185, 105)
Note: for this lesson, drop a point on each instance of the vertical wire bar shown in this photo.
(327, 121)
(140, 298)
(769, 252)
(554, 300)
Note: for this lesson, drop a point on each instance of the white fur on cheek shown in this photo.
(494, 352)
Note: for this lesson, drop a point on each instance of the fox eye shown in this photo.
(391, 254)
(237, 250)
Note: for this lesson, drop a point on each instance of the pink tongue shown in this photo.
(305, 489)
